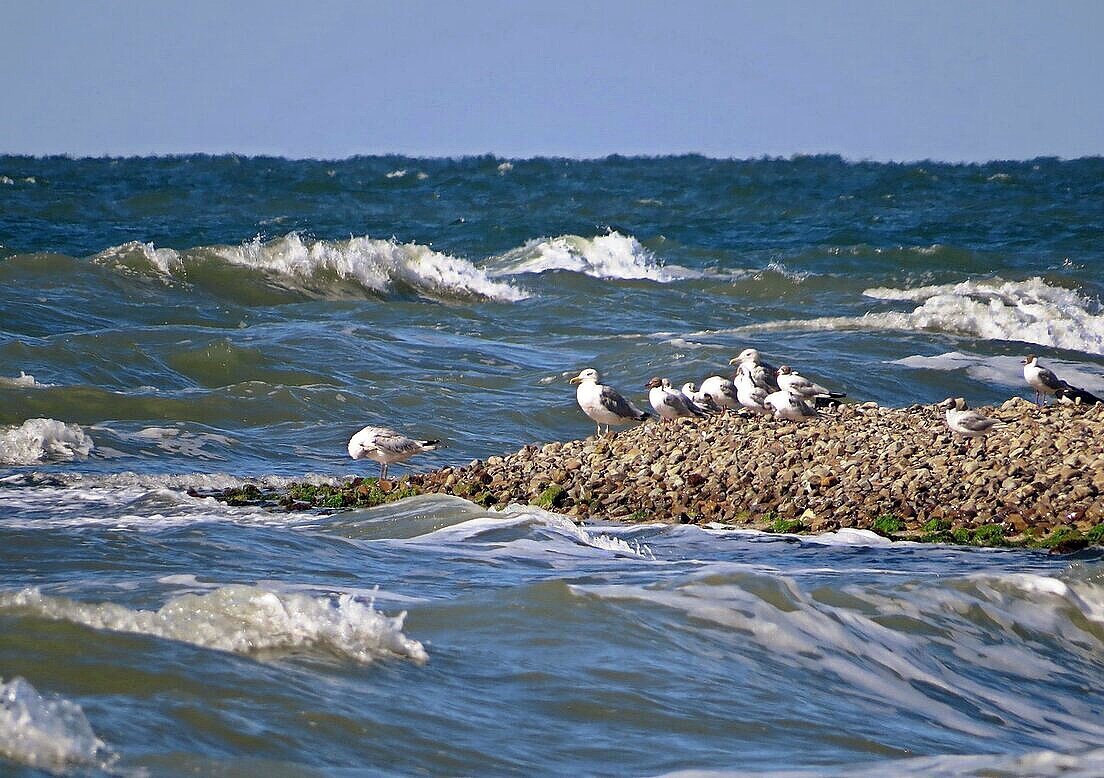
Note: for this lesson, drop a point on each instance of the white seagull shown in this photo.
(701, 399)
(790, 381)
(604, 404)
(761, 374)
(967, 423)
(749, 395)
(786, 405)
(721, 391)
(669, 403)
(384, 445)
(1043, 381)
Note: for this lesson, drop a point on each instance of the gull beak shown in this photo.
(1024, 361)
(734, 361)
(576, 380)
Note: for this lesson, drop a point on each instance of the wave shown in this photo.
(43, 440)
(611, 256)
(1030, 311)
(325, 268)
(21, 381)
(47, 734)
(244, 620)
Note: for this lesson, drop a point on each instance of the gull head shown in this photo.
(785, 370)
(655, 383)
(590, 374)
(689, 388)
(747, 355)
(1030, 359)
(953, 403)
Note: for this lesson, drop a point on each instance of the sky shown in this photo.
(867, 80)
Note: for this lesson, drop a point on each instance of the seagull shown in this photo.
(384, 445)
(749, 395)
(721, 391)
(669, 403)
(760, 373)
(604, 404)
(701, 400)
(800, 386)
(967, 423)
(1043, 381)
(787, 405)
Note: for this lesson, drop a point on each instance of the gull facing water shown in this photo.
(1045, 382)
(762, 374)
(798, 385)
(385, 445)
(604, 404)
(669, 403)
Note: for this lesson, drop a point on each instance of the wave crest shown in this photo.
(312, 266)
(611, 256)
(243, 620)
(43, 440)
(52, 735)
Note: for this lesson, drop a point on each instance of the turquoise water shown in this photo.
(181, 323)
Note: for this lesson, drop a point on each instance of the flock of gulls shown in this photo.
(756, 387)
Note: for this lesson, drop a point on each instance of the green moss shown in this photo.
(551, 497)
(887, 524)
(1095, 536)
(637, 516)
(1063, 538)
(785, 526)
(936, 531)
(989, 535)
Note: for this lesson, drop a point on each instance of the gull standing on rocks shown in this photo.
(384, 445)
(721, 391)
(800, 386)
(603, 404)
(668, 402)
(1043, 381)
(749, 395)
(967, 423)
(787, 405)
(761, 374)
(700, 399)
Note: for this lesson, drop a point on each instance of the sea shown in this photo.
(173, 326)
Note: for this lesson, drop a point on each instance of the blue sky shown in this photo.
(877, 80)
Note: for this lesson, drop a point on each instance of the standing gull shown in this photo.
(967, 423)
(1043, 381)
(761, 373)
(385, 446)
(721, 391)
(603, 404)
(749, 395)
(668, 402)
(800, 386)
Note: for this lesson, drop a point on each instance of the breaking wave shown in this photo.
(1030, 311)
(43, 440)
(612, 256)
(244, 620)
(47, 734)
(325, 268)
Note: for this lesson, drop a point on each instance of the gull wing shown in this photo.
(613, 402)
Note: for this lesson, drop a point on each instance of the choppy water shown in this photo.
(177, 323)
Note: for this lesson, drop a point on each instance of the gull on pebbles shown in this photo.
(604, 404)
(669, 403)
(385, 445)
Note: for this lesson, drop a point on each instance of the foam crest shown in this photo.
(244, 620)
(43, 440)
(1030, 311)
(611, 256)
(136, 257)
(46, 734)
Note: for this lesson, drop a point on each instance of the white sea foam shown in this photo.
(245, 620)
(375, 265)
(1030, 311)
(397, 173)
(614, 256)
(43, 440)
(22, 381)
(46, 734)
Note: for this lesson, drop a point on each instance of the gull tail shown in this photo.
(1074, 396)
(830, 400)
(430, 445)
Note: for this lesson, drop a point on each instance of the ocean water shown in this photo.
(179, 324)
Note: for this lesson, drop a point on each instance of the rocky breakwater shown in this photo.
(899, 472)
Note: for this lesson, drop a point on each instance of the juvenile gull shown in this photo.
(761, 373)
(789, 380)
(669, 403)
(603, 404)
(384, 445)
(1044, 382)
(721, 391)
(786, 405)
(700, 399)
(967, 423)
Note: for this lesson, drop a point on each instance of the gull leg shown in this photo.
(383, 470)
